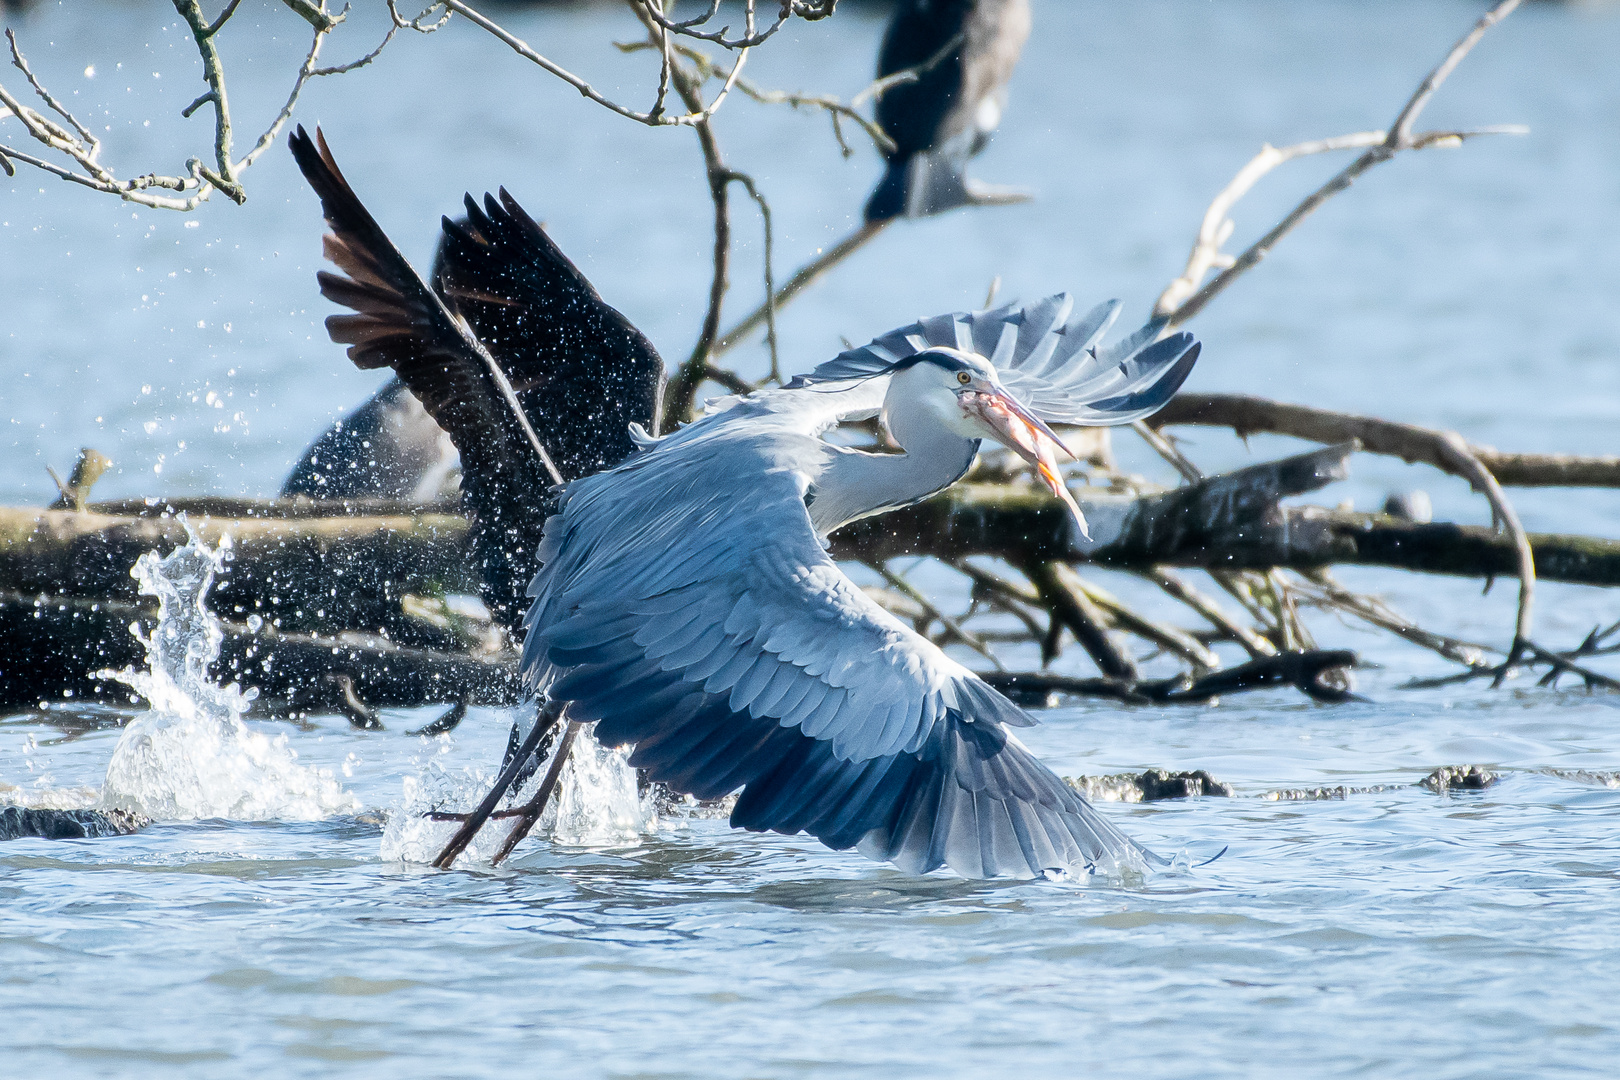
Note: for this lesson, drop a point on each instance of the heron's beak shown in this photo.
(1028, 436)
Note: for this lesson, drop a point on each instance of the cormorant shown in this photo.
(945, 115)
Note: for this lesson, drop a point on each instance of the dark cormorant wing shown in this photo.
(583, 373)
(501, 259)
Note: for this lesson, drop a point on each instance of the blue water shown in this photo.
(1388, 934)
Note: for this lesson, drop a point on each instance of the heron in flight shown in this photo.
(686, 603)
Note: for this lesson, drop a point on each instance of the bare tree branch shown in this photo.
(750, 37)
(200, 180)
(694, 117)
(802, 279)
(1246, 414)
(1445, 450)
(681, 393)
(770, 283)
(1183, 298)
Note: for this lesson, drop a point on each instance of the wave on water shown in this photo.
(597, 804)
(190, 755)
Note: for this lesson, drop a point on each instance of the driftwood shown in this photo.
(55, 645)
(306, 574)
(307, 598)
(1248, 415)
(1303, 670)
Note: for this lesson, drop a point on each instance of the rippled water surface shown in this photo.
(1393, 933)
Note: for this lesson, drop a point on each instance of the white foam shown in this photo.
(596, 805)
(190, 755)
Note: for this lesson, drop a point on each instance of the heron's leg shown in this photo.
(550, 713)
(536, 756)
(537, 805)
(450, 815)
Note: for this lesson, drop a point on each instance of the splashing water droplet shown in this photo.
(191, 756)
(596, 805)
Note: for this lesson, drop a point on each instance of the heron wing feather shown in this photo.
(1051, 359)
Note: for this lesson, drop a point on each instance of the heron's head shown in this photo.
(962, 392)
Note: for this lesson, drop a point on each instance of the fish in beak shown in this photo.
(1026, 435)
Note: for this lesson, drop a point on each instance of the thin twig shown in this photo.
(1398, 138)
(420, 23)
(1445, 450)
(1319, 587)
(1174, 585)
(691, 119)
(1019, 602)
(750, 38)
(770, 283)
(681, 392)
(802, 279)
(201, 181)
(219, 23)
(1172, 638)
(342, 69)
(878, 87)
(708, 69)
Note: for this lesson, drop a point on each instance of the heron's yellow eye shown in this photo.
(963, 377)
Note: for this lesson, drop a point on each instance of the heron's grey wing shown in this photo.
(686, 605)
(581, 370)
(1051, 359)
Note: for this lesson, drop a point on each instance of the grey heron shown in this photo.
(686, 602)
(946, 114)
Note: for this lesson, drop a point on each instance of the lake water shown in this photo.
(1400, 932)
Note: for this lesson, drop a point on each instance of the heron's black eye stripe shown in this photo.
(963, 377)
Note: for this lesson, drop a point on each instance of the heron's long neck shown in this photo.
(856, 485)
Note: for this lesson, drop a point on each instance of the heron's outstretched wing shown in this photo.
(686, 605)
(583, 373)
(1052, 360)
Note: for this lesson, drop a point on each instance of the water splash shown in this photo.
(596, 805)
(191, 756)
(597, 802)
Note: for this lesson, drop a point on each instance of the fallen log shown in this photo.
(55, 646)
(1026, 526)
(300, 574)
(1140, 534)
(307, 597)
(1303, 670)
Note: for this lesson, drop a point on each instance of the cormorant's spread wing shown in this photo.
(401, 323)
(583, 373)
(686, 605)
(1052, 360)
